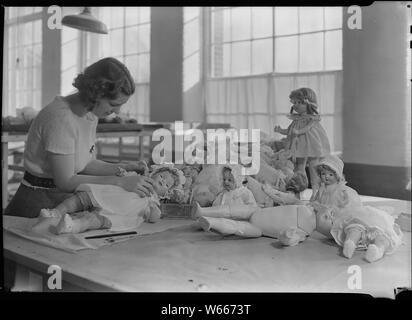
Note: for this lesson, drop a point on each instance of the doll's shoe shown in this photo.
(373, 253)
(348, 248)
(195, 212)
(291, 237)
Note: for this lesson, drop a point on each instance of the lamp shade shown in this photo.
(85, 21)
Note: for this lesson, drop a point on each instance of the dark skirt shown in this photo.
(28, 201)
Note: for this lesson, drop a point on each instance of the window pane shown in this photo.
(191, 72)
(241, 24)
(105, 16)
(144, 68)
(37, 55)
(37, 100)
(190, 13)
(69, 55)
(132, 63)
(310, 19)
(227, 25)
(37, 31)
(12, 36)
(29, 78)
(333, 50)
(132, 16)
(144, 38)
(262, 55)
(241, 58)
(286, 20)
(132, 40)
(191, 37)
(116, 42)
(262, 19)
(117, 17)
(311, 52)
(37, 78)
(286, 54)
(227, 60)
(144, 14)
(69, 34)
(217, 57)
(333, 17)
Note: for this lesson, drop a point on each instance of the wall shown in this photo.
(166, 85)
(376, 101)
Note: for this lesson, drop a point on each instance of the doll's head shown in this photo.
(297, 183)
(324, 221)
(166, 179)
(231, 177)
(303, 100)
(330, 170)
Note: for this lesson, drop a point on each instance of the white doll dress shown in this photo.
(372, 221)
(241, 195)
(125, 210)
(313, 143)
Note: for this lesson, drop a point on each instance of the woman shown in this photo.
(58, 156)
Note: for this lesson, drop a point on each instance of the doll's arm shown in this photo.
(278, 129)
(280, 197)
(304, 129)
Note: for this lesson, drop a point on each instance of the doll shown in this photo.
(336, 212)
(111, 207)
(234, 192)
(307, 139)
(294, 186)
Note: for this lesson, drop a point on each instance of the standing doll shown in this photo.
(307, 139)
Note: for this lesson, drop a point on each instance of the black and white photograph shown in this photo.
(194, 149)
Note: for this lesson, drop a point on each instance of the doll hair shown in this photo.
(325, 167)
(177, 175)
(105, 78)
(306, 96)
(297, 183)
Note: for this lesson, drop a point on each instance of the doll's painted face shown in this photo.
(324, 221)
(228, 180)
(163, 182)
(298, 106)
(327, 176)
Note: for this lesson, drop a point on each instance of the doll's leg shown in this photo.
(377, 249)
(89, 221)
(314, 176)
(292, 236)
(353, 236)
(230, 227)
(300, 164)
(243, 212)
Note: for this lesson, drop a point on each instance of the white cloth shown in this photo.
(58, 130)
(241, 195)
(126, 210)
(372, 221)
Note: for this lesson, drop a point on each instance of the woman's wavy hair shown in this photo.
(105, 78)
(306, 96)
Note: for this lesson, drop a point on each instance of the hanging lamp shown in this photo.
(85, 21)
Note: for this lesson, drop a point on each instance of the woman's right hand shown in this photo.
(141, 185)
(277, 129)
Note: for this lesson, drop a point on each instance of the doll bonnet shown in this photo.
(179, 182)
(334, 163)
(236, 171)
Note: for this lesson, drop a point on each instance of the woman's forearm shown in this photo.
(70, 185)
(102, 168)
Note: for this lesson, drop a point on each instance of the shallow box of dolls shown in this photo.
(176, 210)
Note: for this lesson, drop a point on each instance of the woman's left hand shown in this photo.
(139, 166)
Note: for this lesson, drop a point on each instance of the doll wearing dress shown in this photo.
(306, 138)
(110, 207)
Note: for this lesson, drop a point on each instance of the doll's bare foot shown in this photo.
(373, 253)
(47, 218)
(196, 210)
(66, 225)
(348, 248)
(204, 224)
